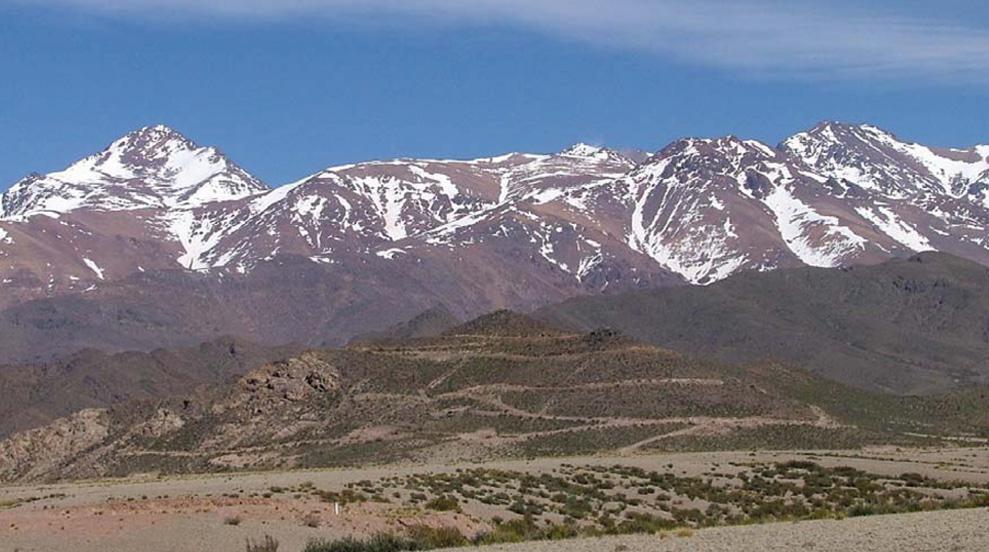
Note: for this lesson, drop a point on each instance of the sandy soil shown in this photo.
(192, 514)
(951, 531)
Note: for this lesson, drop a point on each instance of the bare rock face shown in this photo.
(29, 454)
(273, 403)
(184, 240)
(281, 385)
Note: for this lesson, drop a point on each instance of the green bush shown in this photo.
(444, 503)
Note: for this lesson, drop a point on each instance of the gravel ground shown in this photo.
(946, 531)
(76, 517)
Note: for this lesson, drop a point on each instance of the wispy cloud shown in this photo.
(770, 38)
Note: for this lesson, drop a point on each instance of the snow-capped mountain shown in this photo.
(154, 167)
(158, 241)
(923, 198)
(392, 208)
(873, 159)
(114, 213)
(586, 219)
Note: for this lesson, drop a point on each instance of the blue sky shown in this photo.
(288, 88)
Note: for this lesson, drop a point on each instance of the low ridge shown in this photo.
(505, 323)
(457, 397)
(906, 326)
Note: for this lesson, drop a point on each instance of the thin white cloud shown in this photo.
(771, 38)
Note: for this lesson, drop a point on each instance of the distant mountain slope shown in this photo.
(430, 322)
(288, 300)
(912, 325)
(157, 241)
(703, 209)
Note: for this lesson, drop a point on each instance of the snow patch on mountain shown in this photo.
(390, 253)
(798, 222)
(198, 236)
(684, 243)
(94, 267)
(445, 234)
(953, 169)
(263, 202)
(887, 222)
(876, 160)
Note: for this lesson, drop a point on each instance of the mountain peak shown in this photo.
(153, 135)
(730, 147)
(837, 131)
(833, 125)
(154, 166)
(158, 130)
(148, 147)
(877, 160)
(584, 150)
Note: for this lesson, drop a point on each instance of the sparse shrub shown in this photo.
(420, 537)
(859, 510)
(516, 530)
(436, 537)
(378, 543)
(232, 520)
(268, 544)
(312, 520)
(445, 503)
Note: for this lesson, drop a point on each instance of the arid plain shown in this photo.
(221, 512)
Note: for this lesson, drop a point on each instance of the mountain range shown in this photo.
(157, 241)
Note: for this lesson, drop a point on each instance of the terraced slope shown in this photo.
(501, 385)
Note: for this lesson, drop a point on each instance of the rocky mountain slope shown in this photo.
(35, 395)
(916, 325)
(501, 385)
(146, 236)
